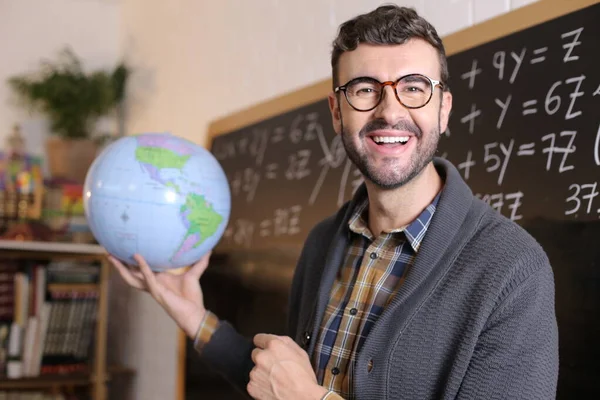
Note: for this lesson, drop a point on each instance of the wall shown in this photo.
(32, 30)
(200, 60)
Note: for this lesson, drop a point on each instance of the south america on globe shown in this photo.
(157, 195)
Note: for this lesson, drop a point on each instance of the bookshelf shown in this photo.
(100, 374)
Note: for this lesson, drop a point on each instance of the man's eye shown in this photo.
(364, 90)
(413, 89)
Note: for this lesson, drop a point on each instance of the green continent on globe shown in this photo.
(203, 219)
(174, 186)
(160, 157)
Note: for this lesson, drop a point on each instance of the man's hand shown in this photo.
(282, 371)
(179, 295)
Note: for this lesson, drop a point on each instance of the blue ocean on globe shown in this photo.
(157, 195)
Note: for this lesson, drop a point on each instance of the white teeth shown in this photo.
(390, 139)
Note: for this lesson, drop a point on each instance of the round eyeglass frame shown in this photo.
(393, 84)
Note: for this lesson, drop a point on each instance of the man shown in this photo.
(415, 289)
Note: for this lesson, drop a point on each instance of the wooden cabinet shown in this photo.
(98, 374)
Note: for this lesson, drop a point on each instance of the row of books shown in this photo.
(47, 317)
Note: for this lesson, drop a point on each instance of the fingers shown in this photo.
(256, 385)
(151, 283)
(288, 340)
(133, 278)
(261, 358)
(254, 354)
(262, 340)
(293, 345)
(199, 267)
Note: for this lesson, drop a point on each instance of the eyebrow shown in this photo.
(363, 78)
(413, 78)
(370, 78)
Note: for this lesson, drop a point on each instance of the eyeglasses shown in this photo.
(412, 91)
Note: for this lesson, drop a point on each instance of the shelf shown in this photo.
(52, 247)
(46, 381)
(32, 249)
(60, 380)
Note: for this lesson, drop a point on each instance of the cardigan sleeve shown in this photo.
(230, 354)
(516, 355)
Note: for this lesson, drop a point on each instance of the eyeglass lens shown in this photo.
(366, 93)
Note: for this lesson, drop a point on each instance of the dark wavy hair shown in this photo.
(386, 25)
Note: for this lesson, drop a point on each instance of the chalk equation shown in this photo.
(302, 159)
(527, 123)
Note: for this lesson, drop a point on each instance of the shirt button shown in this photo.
(353, 311)
(335, 370)
(370, 366)
(306, 338)
(373, 256)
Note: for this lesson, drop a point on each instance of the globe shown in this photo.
(157, 195)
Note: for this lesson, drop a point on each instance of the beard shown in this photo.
(392, 176)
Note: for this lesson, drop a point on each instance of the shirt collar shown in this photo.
(414, 232)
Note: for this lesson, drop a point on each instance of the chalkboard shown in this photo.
(525, 129)
(285, 175)
(524, 133)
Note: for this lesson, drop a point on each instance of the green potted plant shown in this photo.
(73, 100)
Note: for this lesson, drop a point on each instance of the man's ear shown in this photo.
(445, 110)
(334, 108)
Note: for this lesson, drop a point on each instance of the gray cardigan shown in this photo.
(474, 318)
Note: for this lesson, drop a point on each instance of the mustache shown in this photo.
(380, 124)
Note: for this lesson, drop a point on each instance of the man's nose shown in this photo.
(390, 109)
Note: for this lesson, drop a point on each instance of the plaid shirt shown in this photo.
(373, 272)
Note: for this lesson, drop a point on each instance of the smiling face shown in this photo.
(391, 144)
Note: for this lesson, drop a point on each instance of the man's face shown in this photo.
(364, 134)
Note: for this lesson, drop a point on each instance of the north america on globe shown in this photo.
(198, 215)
